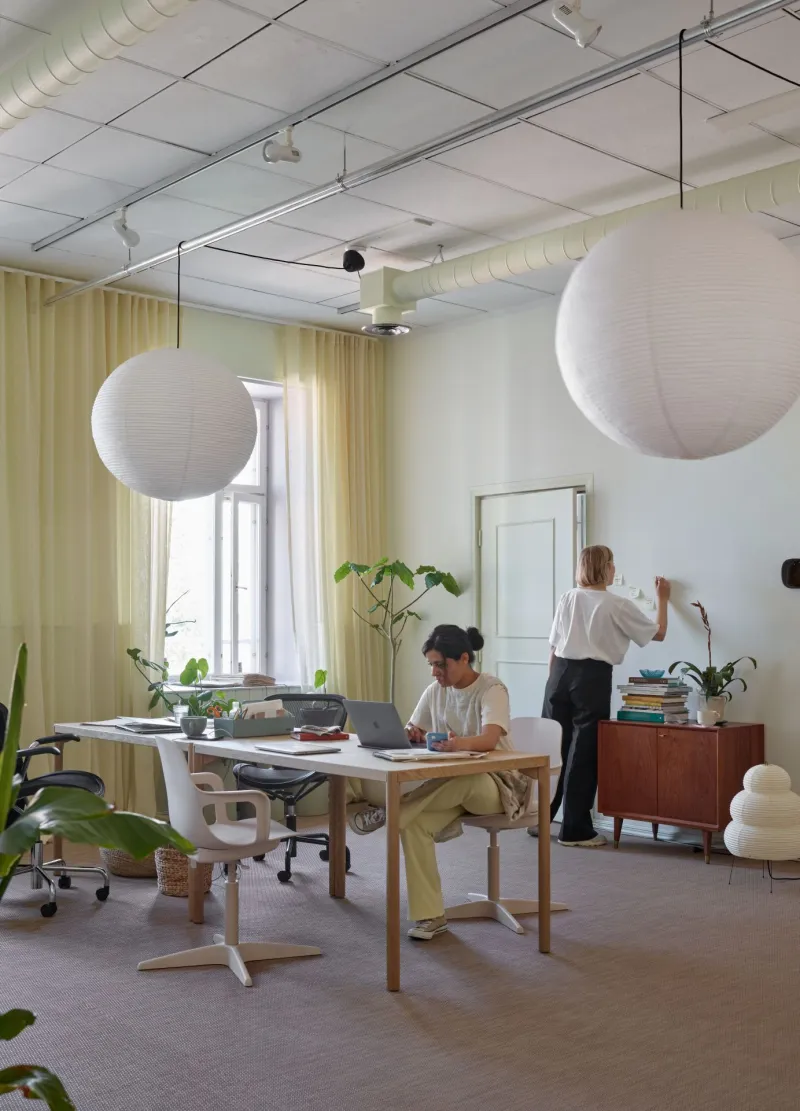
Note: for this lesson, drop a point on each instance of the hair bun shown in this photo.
(475, 638)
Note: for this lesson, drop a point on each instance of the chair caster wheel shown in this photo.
(324, 855)
(102, 893)
(284, 877)
(260, 856)
(48, 910)
(64, 882)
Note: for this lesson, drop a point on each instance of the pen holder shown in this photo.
(237, 728)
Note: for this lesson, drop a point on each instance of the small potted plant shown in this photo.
(714, 683)
(204, 702)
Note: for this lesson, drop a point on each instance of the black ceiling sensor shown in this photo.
(790, 573)
(353, 262)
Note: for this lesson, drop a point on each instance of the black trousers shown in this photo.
(577, 696)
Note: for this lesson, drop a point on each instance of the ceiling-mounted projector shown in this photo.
(567, 14)
(282, 149)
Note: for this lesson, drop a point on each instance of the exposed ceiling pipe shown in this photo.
(76, 48)
(759, 191)
(483, 126)
(424, 54)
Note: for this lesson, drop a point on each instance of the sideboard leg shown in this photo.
(707, 845)
(617, 831)
(655, 830)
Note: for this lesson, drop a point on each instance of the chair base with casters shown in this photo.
(289, 787)
(491, 905)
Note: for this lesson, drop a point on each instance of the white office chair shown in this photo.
(226, 842)
(542, 737)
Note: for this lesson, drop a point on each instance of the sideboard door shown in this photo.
(687, 776)
(627, 771)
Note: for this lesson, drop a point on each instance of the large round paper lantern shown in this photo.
(174, 424)
(766, 817)
(679, 334)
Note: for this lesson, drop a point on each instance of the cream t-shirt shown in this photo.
(465, 711)
(597, 625)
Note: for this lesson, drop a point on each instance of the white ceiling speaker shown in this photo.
(174, 424)
(567, 14)
(282, 149)
(679, 334)
(128, 236)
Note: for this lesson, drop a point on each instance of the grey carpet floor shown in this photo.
(666, 989)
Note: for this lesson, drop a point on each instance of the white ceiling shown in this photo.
(226, 69)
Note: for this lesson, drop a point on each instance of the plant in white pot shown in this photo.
(714, 683)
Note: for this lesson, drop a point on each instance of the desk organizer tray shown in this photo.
(239, 728)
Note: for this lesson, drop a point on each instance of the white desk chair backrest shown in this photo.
(541, 736)
(184, 798)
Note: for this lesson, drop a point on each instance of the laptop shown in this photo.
(378, 725)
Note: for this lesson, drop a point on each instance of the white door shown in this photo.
(528, 550)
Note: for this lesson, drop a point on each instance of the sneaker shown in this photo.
(428, 929)
(368, 820)
(596, 842)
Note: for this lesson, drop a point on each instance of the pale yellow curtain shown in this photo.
(334, 390)
(83, 560)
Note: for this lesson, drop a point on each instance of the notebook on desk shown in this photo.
(298, 748)
(409, 755)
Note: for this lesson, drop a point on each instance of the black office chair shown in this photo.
(38, 869)
(289, 785)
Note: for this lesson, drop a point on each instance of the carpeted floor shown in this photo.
(666, 989)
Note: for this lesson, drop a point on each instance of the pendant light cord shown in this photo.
(178, 344)
(680, 113)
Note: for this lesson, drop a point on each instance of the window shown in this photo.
(229, 558)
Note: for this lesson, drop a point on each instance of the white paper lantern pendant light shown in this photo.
(679, 333)
(174, 424)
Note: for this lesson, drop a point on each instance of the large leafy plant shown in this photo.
(203, 701)
(387, 613)
(714, 682)
(79, 816)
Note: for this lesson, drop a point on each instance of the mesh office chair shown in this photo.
(41, 872)
(290, 785)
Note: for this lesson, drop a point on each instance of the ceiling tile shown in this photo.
(372, 26)
(343, 217)
(513, 60)
(638, 119)
(123, 157)
(177, 219)
(402, 112)
(50, 262)
(111, 90)
(277, 241)
(62, 191)
(238, 188)
(283, 69)
(43, 135)
(101, 241)
(16, 40)
(26, 225)
(423, 239)
(495, 295)
(269, 9)
(196, 117)
(440, 193)
(268, 277)
(533, 160)
(12, 168)
(189, 40)
(41, 14)
(322, 149)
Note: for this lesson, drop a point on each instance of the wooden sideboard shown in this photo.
(678, 775)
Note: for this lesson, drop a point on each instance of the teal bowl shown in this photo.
(650, 673)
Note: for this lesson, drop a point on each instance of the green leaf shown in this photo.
(450, 584)
(380, 576)
(404, 574)
(380, 563)
(202, 667)
(320, 678)
(49, 809)
(424, 569)
(432, 579)
(134, 653)
(750, 658)
(341, 572)
(378, 605)
(133, 833)
(36, 1082)
(151, 705)
(359, 568)
(8, 755)
(14, 1022)
(413, 613)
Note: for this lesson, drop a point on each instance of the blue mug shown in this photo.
(435, 739)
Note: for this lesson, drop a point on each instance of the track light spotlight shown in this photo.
(567, 14)
(128, 236)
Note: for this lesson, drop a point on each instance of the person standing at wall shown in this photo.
(592, 631)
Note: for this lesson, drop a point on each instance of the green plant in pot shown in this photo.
(80, 817)
(714, 683)
(387, 614)
(204, 702)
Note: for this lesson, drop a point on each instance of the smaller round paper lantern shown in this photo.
(679, 334)
(766, 816)
(174, 424)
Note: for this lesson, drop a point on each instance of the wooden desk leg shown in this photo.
(337, 826)
(195, 883)
(393, 882)
(58, 765)
(544, 860)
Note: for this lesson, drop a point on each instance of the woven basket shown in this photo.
(120, 864)
(172, 868)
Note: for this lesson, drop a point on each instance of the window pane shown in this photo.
(249, 587)
(250, 475)
(226, 584)
(190, 584)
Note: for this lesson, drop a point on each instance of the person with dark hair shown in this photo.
(471, 710)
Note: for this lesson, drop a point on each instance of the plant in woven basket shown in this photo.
(79, 816)
(714, 682)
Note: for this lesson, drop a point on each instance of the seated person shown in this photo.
(472, 709)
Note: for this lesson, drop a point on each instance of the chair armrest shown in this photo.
(208, 779)
(259, 800)
(25, 755)
(56, 738)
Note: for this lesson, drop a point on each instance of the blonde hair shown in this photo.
(593, 565)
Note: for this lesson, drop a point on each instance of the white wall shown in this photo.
(484, 403)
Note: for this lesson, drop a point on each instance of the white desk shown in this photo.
(358, 763)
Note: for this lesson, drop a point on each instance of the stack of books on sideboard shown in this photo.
(656, 700)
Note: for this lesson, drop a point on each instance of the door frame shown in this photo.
(581, 483)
